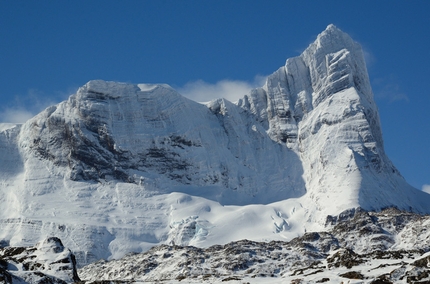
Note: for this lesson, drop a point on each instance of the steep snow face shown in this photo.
(11, 169)
(123, 167)
(321, 105)
(9, 154)
(151, 136)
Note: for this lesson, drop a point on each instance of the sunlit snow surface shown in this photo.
(121, 167)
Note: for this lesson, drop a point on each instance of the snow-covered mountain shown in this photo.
(120, 168)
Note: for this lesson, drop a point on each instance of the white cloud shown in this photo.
(15, 115)
(231, 90)
(24, 107)
(388, 89)
(369, 58)
(426, 188)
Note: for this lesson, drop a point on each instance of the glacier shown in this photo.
(120, 168)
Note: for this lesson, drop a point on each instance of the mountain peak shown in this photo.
(336, 39)
(138, 164)
(331, 28)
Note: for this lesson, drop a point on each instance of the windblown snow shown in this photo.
(120, 168)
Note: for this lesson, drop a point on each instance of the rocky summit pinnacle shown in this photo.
(121, 167)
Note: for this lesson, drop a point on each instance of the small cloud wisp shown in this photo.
(15, 115)
(232, 90)
(25, 107)
(389, 89)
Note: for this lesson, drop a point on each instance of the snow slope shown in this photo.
(121, 167)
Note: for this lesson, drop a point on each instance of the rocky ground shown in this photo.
(390, 246)
(47, 262)
(359, 247)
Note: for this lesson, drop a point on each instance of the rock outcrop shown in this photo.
(47, 262)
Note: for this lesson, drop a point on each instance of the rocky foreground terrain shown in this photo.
(47, 262)
(390, 246)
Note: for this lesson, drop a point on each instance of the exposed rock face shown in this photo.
(123, 167)
(47, 262)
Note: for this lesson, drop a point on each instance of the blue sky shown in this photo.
(50, 48)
